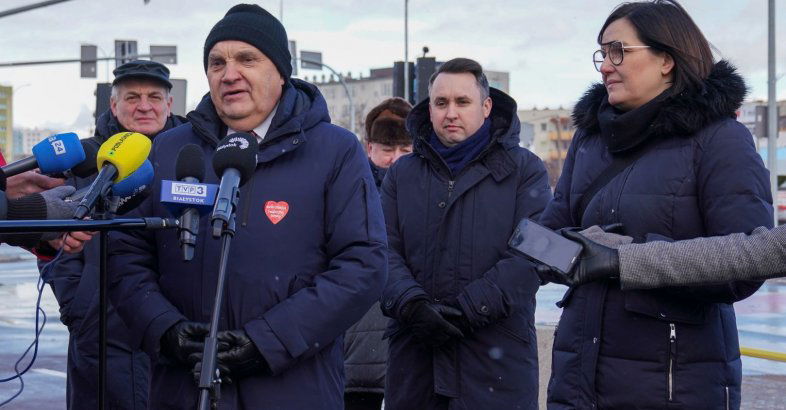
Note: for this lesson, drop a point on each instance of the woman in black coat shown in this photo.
(664, 120)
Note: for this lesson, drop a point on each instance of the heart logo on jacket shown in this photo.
(276, 211)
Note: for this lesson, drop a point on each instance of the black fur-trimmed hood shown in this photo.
(682, 114)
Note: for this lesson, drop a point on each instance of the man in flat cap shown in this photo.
(140, 102)
(308, 257)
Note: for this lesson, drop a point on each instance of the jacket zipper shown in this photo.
(728, 405)
(450, 188)
(672, 354)
(247, 201)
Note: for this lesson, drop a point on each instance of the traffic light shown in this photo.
(426, 67)
(87, 61)
(398, 80)
(125, 51)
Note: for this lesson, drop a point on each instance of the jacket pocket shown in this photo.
(659, 304)
(512, 334)
(517, 327)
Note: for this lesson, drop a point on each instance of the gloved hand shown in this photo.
(183, 339)
(237, 357)
(617, 227)
(549, 274)
(428, 324)
(56, 207)
(595, 262)
(460, 321)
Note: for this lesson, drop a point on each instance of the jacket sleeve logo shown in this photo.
(276, 211)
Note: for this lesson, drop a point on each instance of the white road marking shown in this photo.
(51, 372)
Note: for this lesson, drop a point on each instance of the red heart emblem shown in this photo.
(276, 211)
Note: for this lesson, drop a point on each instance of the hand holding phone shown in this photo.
(544, 246)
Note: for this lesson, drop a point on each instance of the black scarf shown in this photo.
(680, 115)
(625, 131)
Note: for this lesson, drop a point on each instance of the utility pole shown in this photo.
(557, 120)
(343, 84)
(406, 50)
(772, 109)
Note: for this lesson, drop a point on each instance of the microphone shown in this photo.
(52, 155)
(117, 158)
(235, 161)
(188, 197)
(134, 182)
(190, 169)
(130, 192)
(87, 167)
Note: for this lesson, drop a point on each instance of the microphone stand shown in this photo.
(102, 212)
(210, 377)
(102, 223)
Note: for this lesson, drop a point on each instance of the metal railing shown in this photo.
(763, 354)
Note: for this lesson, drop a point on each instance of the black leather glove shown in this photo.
(617, 227)
(548, 274)
(595, 262)
(461, 321)
(237, 357)
(183, 339)
(428, 324)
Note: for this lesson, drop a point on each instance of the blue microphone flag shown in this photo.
(177, 195)
(58, 153)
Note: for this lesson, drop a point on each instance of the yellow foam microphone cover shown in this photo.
(127, 151)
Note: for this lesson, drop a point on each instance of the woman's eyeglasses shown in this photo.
(614, 50)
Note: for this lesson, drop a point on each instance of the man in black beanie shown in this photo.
(308, 258)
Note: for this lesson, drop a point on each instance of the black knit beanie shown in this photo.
(252, 24)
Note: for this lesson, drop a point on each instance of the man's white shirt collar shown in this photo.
(261, 129)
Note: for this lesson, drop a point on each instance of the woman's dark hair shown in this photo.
(667, 28)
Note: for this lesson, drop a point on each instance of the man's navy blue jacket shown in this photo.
(448, 243)
(307, 261)
(74, 281)
(671, 347)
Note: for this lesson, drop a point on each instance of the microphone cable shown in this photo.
(40, 317)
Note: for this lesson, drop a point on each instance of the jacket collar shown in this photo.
(300, 108)
(683, 114)
(505, 129)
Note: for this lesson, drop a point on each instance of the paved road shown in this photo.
(761, 322)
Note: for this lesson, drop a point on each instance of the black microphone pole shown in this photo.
(209, 379)
(102, 213)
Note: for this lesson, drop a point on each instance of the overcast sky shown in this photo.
(545, 45)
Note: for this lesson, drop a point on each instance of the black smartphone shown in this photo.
(544, 245)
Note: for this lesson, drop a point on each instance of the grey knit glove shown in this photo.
(56, 207)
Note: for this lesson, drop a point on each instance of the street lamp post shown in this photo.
(772, 111)
(343, 83)
(406, 50)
